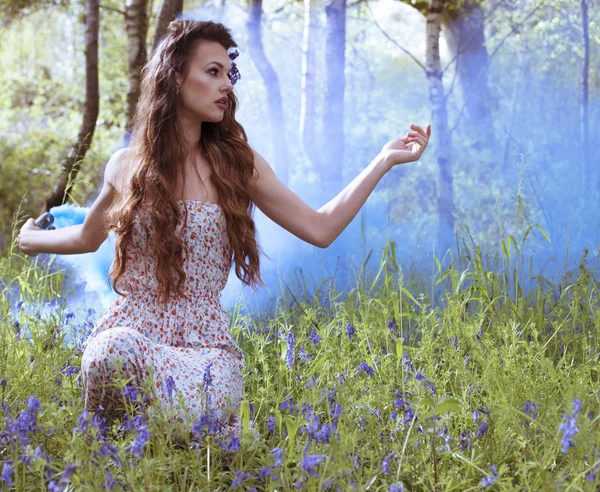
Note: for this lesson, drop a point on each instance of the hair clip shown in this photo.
(234, 75)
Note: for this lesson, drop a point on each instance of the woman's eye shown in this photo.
(213, 70)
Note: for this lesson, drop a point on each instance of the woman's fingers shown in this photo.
(418, 129)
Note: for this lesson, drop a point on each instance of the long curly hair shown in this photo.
(154, 162)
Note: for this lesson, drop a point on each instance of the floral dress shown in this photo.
(177, 343)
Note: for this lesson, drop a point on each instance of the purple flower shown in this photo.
(290, 356)
(302, 355)
(232, 445)
(465, 440)
(278, 453)
(366, 368)
(267, 471)
(170, 384)
(240, 476)
(350, 331)
(314, 337)
(407, 363)
(490, 479)
(312, 381)
(271, 424)
(287, 404)
(385, 464)
(206, 378)
(7, 473)
(482, 429)
(569, 426)
(310, 463)
(397, 487)
(130, 393)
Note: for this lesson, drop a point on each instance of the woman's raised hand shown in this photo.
(408, 148)
(28, 226)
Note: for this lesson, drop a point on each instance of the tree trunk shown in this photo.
(90, 115)
(332, 145)
(466, 39)
(585, 120)
(169, 10)
(271, 80)
(136, 27)
(308, 115)
(444, 191)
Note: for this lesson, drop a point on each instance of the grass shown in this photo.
(461, 382)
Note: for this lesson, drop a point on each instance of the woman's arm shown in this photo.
(321, 227)
(80, 238)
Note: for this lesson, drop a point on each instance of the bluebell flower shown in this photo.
(310, 462)
(531, 409)
(407, 363)
(8, 473)
(385, 464)
(397, 487)
(290, 356)
(170, 385)
(271, 424)
(366, 368)
(267, 471)
(393, 327)
(312, 381)
(232, 445)
(569, 426)
(350, 331)
(304, 356)
(490, 479)
(240, 476)
(314, 337)
(278, 453)
(287, 404)
(465, 440)
(206, 378)
(482, 429)
(130, 393)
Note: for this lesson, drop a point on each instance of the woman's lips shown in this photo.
(222, 105)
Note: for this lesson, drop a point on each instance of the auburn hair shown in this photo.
(155, 158)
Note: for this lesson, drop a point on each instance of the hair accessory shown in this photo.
(234, 75)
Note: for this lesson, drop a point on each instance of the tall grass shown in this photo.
(485, 374)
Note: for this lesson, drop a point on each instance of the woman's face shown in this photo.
(207, 82)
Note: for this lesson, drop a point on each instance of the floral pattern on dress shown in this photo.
(176, 341)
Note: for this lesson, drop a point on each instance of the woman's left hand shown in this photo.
(407, 149)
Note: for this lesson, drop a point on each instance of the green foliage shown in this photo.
(422, 387)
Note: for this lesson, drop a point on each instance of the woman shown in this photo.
(181, 200)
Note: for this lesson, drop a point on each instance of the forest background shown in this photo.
(510, 87)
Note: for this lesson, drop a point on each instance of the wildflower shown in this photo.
(490, 479)
(397, 487)
(232, 445)
(392, 326)
(310, 463)
(7, 473)
(314, 337)
(569, 426)
(304, 356)
(130, 393)
(312, 381)
(482, 429)
(476, 415)
(290, 356)
(3, 381)
(82, 422)
(407, 363)
(206, 378)
(465, 440)
(278, 453)
(350, 331)
(531, 409)
(385, 464)
(170, 385)
(288, 404)
(271, 424)
(240, 476)
(363, 366)
(446, 438)
(266, 471)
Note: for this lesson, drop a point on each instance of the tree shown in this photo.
(91, 109)
(308, 116)
(332, 145)
(437, 97)
(169, 10)
(271, 80)
(136, 27)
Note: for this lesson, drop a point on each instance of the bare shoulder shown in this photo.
(115, 169)
(261, 166)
